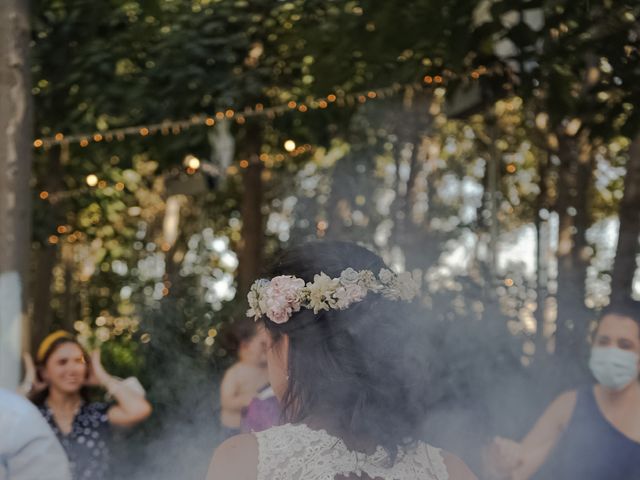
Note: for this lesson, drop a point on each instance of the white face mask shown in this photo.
(613, 368)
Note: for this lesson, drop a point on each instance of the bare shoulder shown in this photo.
(236, 458)
(456, 468)
(240, 369)
(234, 369)
(232, 373)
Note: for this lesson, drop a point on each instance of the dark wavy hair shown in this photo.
(366, 366)
(38, 398)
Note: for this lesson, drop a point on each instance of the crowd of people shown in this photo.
(350, 372)
(331, 381)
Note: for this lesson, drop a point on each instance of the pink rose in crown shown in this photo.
(282, 298)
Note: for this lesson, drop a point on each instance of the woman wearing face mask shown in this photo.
(592, 433)
(65, 371)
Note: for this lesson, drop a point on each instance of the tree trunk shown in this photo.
(624, 266)
(15, 168)
(41, 313)
(250, 255)
(574, 188)
(47, 255)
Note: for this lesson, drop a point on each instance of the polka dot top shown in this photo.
(87, 445)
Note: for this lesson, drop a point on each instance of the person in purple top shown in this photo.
(263, 412)
(592, 433)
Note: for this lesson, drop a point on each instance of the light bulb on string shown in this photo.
(192, 162)
(289, 145)
(92, 180)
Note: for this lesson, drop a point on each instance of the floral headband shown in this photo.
(282, 296)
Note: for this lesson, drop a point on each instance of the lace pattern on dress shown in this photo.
(297, 452)
(436, 460)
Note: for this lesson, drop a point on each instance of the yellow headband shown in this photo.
(48, 341)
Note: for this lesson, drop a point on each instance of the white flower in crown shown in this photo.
(386, 276)
(349, 294)
(320, 292)
(407, 287)
(399, 287)
(369, 281)
(349, 277)
(351, 289)
(253, 297)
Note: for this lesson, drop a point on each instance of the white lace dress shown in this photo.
(296, 452)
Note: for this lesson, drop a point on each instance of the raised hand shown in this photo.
(98, 376)
(30, 383)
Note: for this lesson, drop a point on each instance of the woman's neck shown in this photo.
(64, 401)
(334, 428)
(630, 393)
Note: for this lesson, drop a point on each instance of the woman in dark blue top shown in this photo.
(591, 447)
(87, 443)
(592, 433)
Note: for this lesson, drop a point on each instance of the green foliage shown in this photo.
(401, 174)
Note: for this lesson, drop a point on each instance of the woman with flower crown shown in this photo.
(348, 362)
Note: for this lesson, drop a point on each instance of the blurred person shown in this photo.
(347, 361)
(592, 433)
(65, 371)
(28, 448)
(245, 378)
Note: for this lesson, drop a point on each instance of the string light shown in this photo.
(192, 162)
(92, 180)
(289, 145)
(177, 126)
